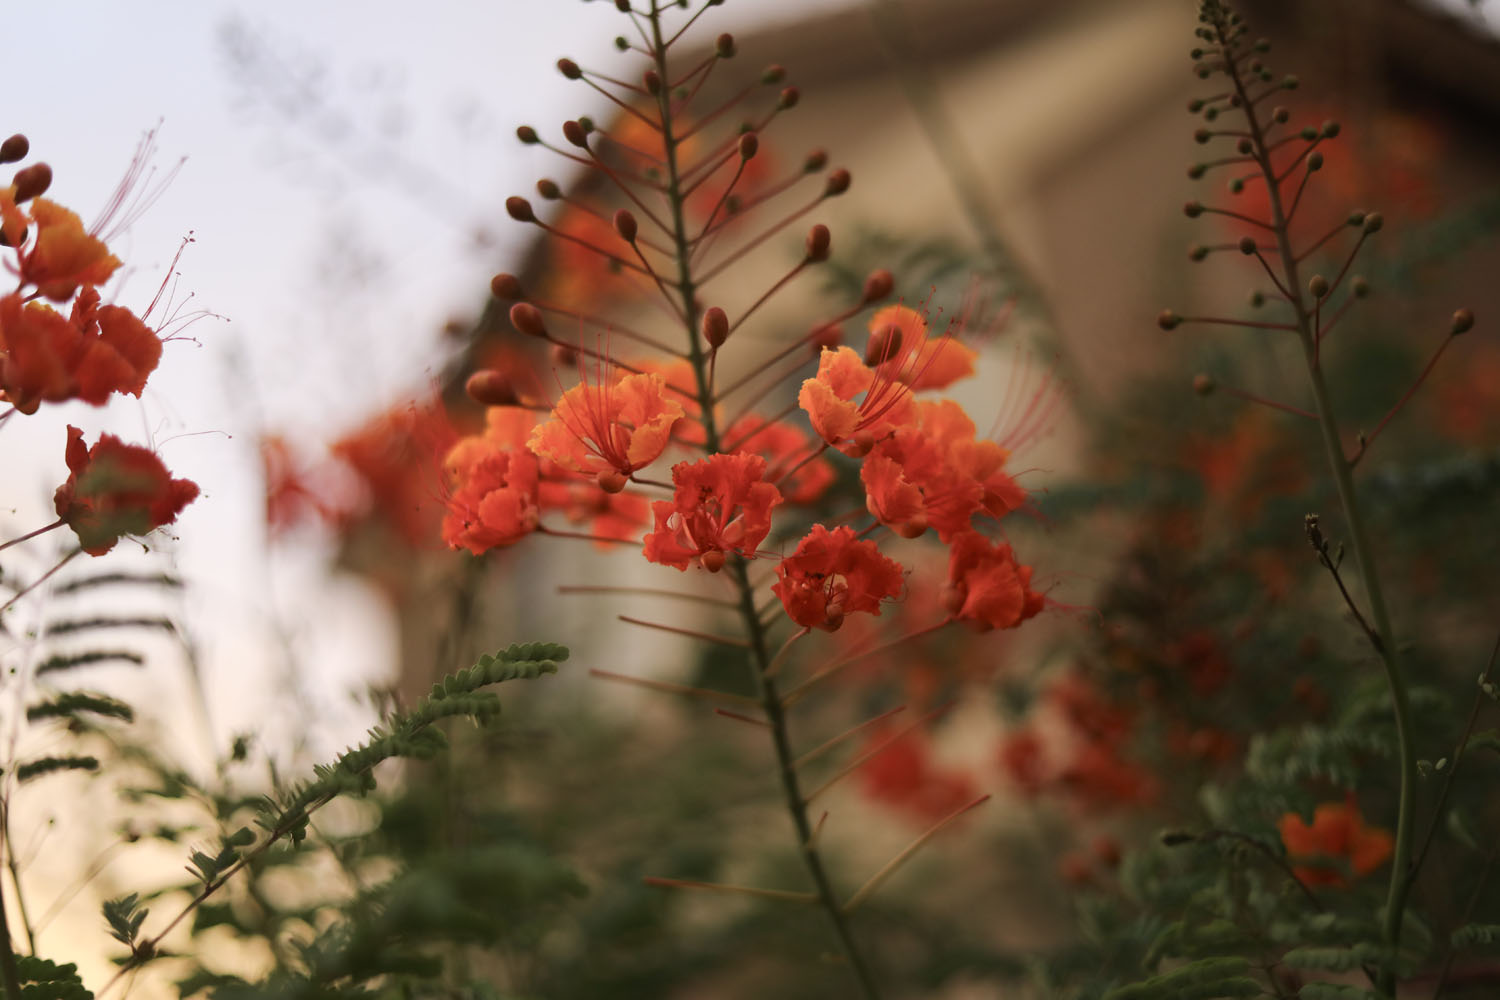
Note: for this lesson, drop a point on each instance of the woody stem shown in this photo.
(755, 632)
(1401, 873)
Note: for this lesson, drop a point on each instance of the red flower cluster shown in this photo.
(87, 353)
(116, 489)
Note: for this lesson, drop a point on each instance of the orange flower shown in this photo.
(986, 586)
(98, 350)
(721, 504)
(1337, 843)
(828, 398)
(64, 255)
(900, 348)
(116, 489)
(833, 574)
(612, 427)
(785, 449)
(493, 482)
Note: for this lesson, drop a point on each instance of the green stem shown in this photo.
(9, 975)
(1400, 882)
(755, 631)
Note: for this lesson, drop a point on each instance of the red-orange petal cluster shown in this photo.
(64, 255)
(493, 483)
(1336, 843)
(721, 504)
(116, 489)
(901, 349)
(609, 426)
(986, 586)
(833, 574)
(828, 398)
(48, 357)
(787, 452)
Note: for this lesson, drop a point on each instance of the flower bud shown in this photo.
(1280, 115)
(574, 132)
(749, 145)
(1247, 245)
(1196, 170)
(878, 285)
(1330, 130)
(32, 181)
(1193, 209)
(527, 318)
(1360, 286)
(548, 189)
(1244, 146)
(625, 225)
(826, 338)
(724, 46)
(1197, 252)
(1202, 135)
(490, 387)
(1314, 161)
(527, 134)
(564, 356)
(1356, 219)
(712, 560)
(1463, 322)
(914, 528)
(1318, 286)
(773, 75)
(651, 80)
(1167, 319)
(1373, 222)
(789, 98)
(838, 183)
(1204, 385)
(519, 208)
(885, 344)
(621, 42)
(816, 160)
(1257, 299)
(715, 327)
(611, 480)
(569, 69)
(817, 243)
(623, 6)
(506, 287)
(15, 148)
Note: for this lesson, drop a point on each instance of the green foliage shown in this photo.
(1205, 979)
(72, 703)
(124, 915)
(44, 980)
(42, 766)
(1476, 936)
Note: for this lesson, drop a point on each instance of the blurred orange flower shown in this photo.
(1335, 844)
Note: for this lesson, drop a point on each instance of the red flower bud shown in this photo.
(574, 132)
(878, 286)
(817, 243)
(838, 183)
(15, 148)
(528, 319)
(625, 225)
(749, 145)
(569, 69)
(816, 160)
(724, 45)
(490, 387)
(32, 181)
(548, 189)
(519, 209)
(715, 327)
(506, 287)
